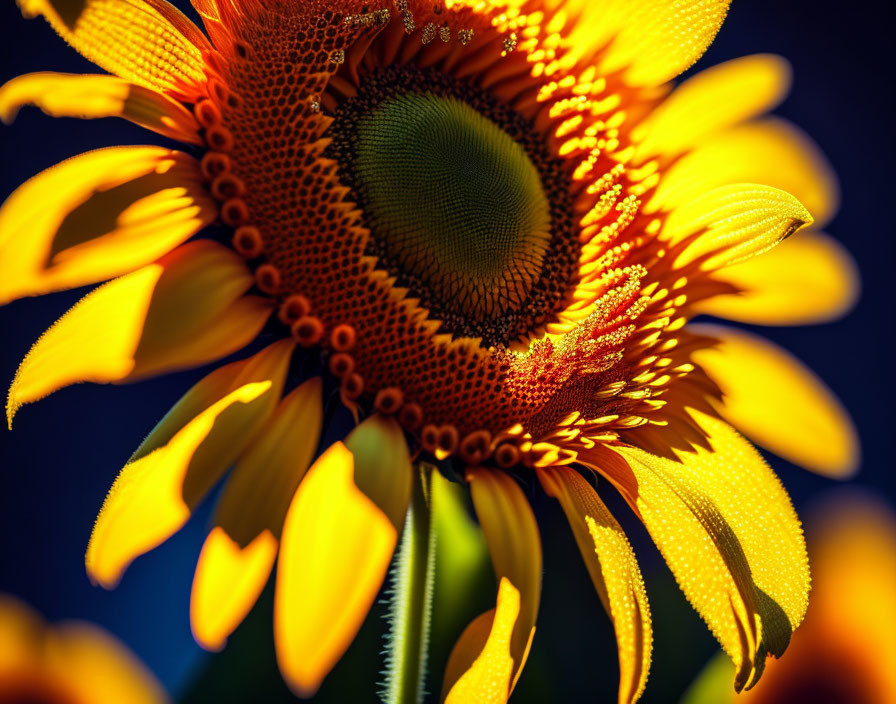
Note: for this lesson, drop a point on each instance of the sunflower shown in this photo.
(482, 228)
(67, 663)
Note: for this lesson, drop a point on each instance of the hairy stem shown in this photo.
(407, 645)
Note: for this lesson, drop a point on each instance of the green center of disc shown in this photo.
(453, 201)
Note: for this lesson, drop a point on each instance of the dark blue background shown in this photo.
(65, 451)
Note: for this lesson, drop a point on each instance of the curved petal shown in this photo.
(93, 96)
(98, 215)
(716, 98)
(512, 537)
(336, 547)
(847, 645)
(770, 151)
(728, 531)
(807, 279)
(730, 224)
(146, 504)
(99, 668)
(148, 42)
(614, 570)
(261, 486)
(481, 666)
(191, 473)
(184, 310)
(656, 40)
(779, 403)
(239, 553)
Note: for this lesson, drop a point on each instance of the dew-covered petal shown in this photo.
(239, 553)
(715, 98)
(810, 278)
(614, 570)
(779, 403)
(481, 666)
(184, 310)
(148, 42)
(728, 531)
(653, 40)
(730, 224)
(338, 539)
(89, 96)
(147, 502)
(771, 151)
(98, 215)
(847, 644)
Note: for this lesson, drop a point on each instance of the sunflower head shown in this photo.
(484, 228)
(452, 185)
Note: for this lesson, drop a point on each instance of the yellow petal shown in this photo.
(148, 42)
(224, 441)
(779, 403)
(656, 40)
(270, 364)
(146, 503)
(98, 215)
(810, 278)
(847, 644)
(728, 531)
(184, 310)
(98, 668)
(515, 547)
(712, 100)
(227, 583)
(730, 224)
(481, 665)
(770, 151)
(336, 547)
(239, 553)
(614, 570)
(91, 96)
(261, 486)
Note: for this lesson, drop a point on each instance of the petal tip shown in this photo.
(302, 682)
(108, 580)
(207, 641)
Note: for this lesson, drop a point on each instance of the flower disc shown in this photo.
(453, 201)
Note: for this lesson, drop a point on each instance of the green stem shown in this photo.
(407, 647)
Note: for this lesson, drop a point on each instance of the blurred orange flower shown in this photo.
(67, 663)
